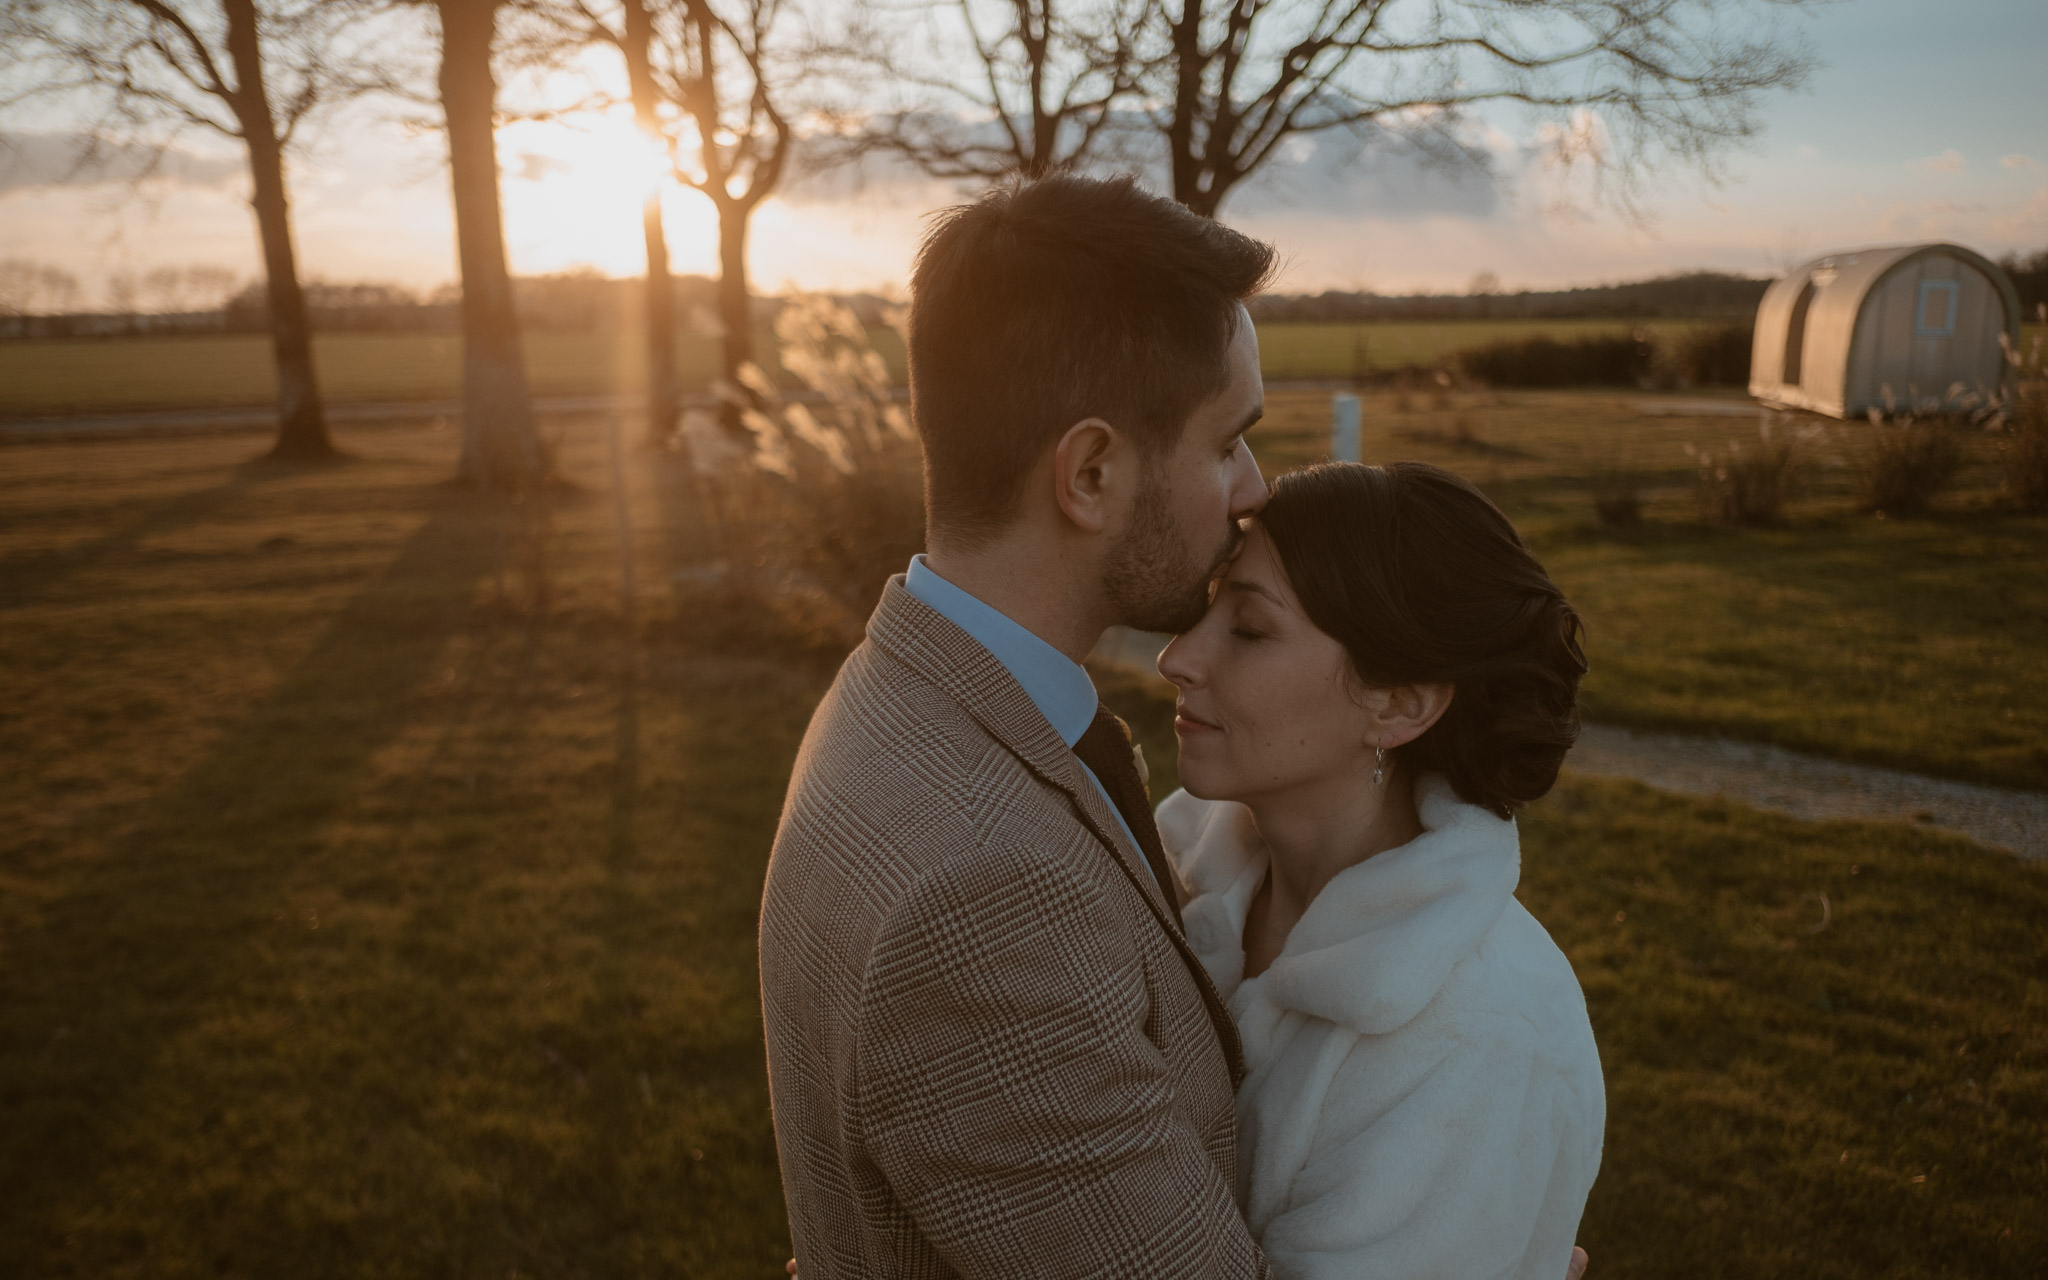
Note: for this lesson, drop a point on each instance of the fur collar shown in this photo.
(1378, 942)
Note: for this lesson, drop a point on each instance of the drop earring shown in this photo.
(1379, 764)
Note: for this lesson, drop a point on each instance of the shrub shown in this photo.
(2024, 460)
(2025, 457)
(1902, 465)
(824, 500)
(1751, 485)
(1617, 496)
(1615, 360)
(1716, 356)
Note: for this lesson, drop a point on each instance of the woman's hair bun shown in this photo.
(1424, 581)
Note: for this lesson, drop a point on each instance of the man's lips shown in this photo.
(1185, 721)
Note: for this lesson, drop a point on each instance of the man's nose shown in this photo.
(1250, 492)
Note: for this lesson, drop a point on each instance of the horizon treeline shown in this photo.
(585, 301)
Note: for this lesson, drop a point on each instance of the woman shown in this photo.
(1385, 676)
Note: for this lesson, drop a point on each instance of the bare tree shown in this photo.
(164, 288)
(729, 136)
(121, 293)
(735, 147)
(34, 289)
(501, 445)
(1648, 80)
(982, 88)
(208, 288)
(1220, 85)
(629, 27)
(160, 66)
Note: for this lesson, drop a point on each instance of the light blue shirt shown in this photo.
(1061, 689)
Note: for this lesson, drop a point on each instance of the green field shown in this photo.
(378, 885)
(235, 370)
(158, 373)
(38, 378)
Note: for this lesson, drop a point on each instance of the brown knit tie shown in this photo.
(1106, 750)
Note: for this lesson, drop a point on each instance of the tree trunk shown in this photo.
(301, 422)
(1187, 103)
(661, 307)
(735, 300)
(661, 327)
(501, 446)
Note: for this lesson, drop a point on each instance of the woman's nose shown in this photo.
(1175, 663)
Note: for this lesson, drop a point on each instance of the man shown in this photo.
(991, 1051)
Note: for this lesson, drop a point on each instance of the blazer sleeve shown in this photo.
(1008, 1091)
(1481, 1169)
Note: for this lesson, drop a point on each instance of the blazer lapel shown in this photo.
(942, 653)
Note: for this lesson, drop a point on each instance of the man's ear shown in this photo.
(1088, 481)
(1405, 712)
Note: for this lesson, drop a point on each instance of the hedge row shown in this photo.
(1708, 355)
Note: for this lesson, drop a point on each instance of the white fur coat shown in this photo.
(1424, 1096)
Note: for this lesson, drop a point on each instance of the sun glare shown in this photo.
(573, 195)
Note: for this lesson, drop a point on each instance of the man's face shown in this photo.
(1184, 527)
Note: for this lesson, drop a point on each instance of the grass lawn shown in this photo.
(233, 370)
(377, 897)
(355, 917)
(1913, 643)
(58, 377)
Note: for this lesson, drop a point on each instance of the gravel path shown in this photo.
(1762, 777)
(1814, 788)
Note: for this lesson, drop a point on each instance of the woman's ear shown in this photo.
(1086, 466)
(1405, 712)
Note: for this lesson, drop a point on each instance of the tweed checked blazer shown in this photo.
(990, 1050)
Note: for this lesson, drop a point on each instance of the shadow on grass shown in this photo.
(123, 961)
(26, 577)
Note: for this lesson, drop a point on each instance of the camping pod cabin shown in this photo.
(1911, 327)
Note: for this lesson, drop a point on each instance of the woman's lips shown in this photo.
(1186, 723)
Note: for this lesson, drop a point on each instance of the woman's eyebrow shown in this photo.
(1239, 584)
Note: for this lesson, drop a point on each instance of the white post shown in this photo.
(1344, 428)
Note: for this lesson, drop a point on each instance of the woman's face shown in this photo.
(1266, 700)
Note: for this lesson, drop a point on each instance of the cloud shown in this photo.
(1806, 151)
(2028, 222)
(1949, 161)
(2019, 162)
(1931, 219)
(32, 160)
(1373, 171)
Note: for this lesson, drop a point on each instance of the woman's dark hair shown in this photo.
(1424, 581)
(1049, 301)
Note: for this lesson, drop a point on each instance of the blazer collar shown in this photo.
(936, 649)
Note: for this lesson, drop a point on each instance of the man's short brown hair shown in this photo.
(1050, 301)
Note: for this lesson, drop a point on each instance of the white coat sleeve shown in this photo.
(1471, 1159)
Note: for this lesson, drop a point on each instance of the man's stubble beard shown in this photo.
(1155, 581)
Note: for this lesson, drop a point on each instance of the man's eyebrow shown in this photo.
(1247, 422)
(1239, 584)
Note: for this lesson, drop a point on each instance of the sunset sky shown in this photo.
(1925, 122)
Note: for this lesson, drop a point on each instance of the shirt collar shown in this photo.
(1061, 689)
